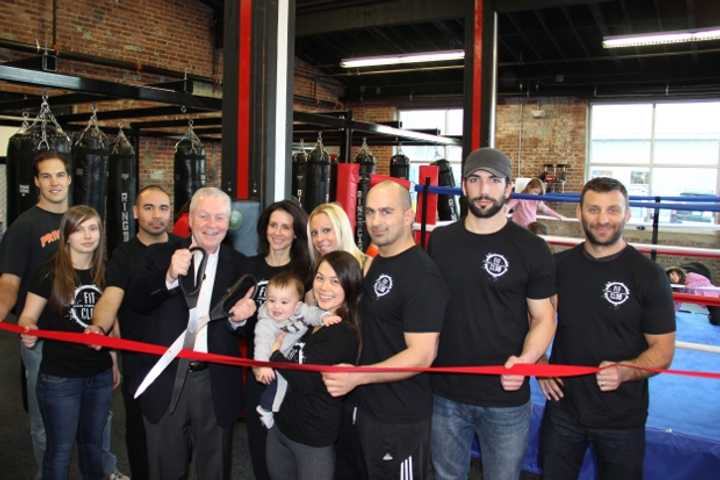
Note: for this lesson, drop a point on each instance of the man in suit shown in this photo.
(200, 418)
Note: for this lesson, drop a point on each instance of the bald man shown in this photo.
(402, 308)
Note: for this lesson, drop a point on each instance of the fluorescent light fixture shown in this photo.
(662, 38)
(438, 56)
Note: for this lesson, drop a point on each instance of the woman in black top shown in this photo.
(75, 385)
(282, 246)
(300, 445)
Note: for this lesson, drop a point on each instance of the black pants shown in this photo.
(619, 452)
(398, 451)
(714, 315)
(191, 430)
(135, 434)
(349, 462)
(257, 433)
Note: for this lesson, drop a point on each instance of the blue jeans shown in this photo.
(502, 431)
(619, 452)
(31, 358)
(74, 408)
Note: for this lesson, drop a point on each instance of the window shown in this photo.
(665, 149)
(449, 122)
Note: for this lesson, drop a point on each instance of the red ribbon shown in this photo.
(524, 369)
(699, 299)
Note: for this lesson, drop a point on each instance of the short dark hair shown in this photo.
(49, 155)
(604, 185)
(147, 188)
(288, 279)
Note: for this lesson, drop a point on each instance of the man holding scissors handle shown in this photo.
(197, 302)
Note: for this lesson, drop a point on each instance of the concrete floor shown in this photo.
(16, 458)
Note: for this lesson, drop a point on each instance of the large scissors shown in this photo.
(190, 288)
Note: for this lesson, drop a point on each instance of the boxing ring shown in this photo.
(683, 425)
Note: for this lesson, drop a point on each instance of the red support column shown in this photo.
(477, 76)
(244, 72)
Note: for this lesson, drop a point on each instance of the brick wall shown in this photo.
(173, 34)
(377, 114)
(313, 87)
(559, 136)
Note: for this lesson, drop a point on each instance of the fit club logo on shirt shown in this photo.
(383, 285)
(496, 265)
(616, 293)
(81, 311)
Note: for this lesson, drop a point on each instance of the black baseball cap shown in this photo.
(488, 159)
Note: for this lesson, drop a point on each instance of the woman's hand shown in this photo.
(117, 376)
(28, 340)
(328, 320)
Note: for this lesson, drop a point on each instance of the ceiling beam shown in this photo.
(628, 26)
(129, 113)
(102, 87)
(400, 12)
(541, 19)
(521, 33)
(405, 12)
(576, 34)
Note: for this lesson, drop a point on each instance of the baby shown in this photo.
(282, 313)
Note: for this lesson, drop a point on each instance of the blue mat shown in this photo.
(683, 427)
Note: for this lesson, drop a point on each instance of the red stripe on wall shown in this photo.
(242, 179)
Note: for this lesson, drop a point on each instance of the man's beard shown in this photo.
(489, 211)
(594, 240)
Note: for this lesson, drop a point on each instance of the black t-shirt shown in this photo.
(262, 272)
(309, 415)
(401, 294)
(29, 243)
(605, 306)
(127, 259)
(490, 278)
(65, 359)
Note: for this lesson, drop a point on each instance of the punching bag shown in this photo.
(318, 176)
(122, 190)
(90, 167)
(43, 134)
(447, 207)
(190, 167)
(400, 165)
(20, 190)
(299, 174)
(366, 160)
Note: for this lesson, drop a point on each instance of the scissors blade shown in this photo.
(161, 364)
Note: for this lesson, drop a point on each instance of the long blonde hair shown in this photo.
(343, 231)
(64, 278)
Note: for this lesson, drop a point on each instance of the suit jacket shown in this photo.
(169, 314)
